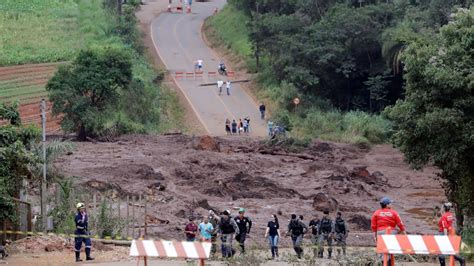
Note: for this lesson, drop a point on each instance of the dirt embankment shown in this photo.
(186, 176)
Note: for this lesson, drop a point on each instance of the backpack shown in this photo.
(296, 228)
(226, 226)
(340, 226)
(325, 226)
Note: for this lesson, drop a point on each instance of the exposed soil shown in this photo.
(182, 179)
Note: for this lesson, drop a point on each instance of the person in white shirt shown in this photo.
(220, 83)
(227, 86)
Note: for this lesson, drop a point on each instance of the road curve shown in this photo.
(178, 41)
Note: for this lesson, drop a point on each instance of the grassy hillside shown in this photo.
(314, 118)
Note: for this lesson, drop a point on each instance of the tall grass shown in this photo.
(315, 117)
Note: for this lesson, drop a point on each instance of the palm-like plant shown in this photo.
(54, 150)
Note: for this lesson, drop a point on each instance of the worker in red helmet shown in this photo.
(446, 225)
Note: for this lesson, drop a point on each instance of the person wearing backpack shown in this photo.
(326, 232)
(314, 226)
(297, 229)
(341, 230)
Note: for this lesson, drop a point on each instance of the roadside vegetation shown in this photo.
(367, 72)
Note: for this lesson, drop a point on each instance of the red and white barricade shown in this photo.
(230, 74)
(417, 244)
(170, 249)
(179, 75)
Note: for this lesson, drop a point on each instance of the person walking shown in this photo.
(227, 228)
(272, 233)
(314, 226)
(297, 229)
(82, 232)
(220, 84)
(240, 126)
(270, 128)
(214, 220)
(234, 127)
(386, 218)
(447, 225)
(191, 230)
(246, 126)
(227, 127)
(244, 223)
(341, 230)
(262, 109)
(326, 232)
(205, 229)
(248, 123)
(228, 86)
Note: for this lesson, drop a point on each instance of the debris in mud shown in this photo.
(243, 185)
(111, 189)
(208, 143)
(36, 244)
(322, 201)
(150, 219)
(362, 222)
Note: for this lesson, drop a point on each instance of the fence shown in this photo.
(23, 221)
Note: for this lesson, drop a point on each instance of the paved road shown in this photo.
(178, 40)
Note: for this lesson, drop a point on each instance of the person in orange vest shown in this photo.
(446, 225)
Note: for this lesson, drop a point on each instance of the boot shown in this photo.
(273, 252)
(78, 259)
(88, 254)
(276, 251)
(330, 254)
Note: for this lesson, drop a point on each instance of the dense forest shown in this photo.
(344, 51)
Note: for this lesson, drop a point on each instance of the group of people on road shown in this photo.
(242, 126)
(220, 85)
(224, 226)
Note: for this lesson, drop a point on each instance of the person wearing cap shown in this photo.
(297, 229)
(386, 217)
(81, 232)
(214, 221)
(227, 228)
(446, 226)
(244, 223)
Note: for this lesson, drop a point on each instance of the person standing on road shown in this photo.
(227, 228)
(270, 128)
(446, 226)
(228, 86)
(262, 109)
(82, 232)
(244, 223)
(205, 229)
(314, 226)
(220, 84)
(246, 126)
(273, 235)
(326, 233)
(297, 229)
(191, 230)
(198, 65)
(340, 227)
(386, 218)
(240, 126)
(214, 220)
(234, 127)
(227, 127)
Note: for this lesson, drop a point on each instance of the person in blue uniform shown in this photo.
(82, 232)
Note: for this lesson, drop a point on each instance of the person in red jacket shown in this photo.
(386, 217)
(446, 226)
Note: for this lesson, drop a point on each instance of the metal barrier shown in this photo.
(170, 249)
(211, 74)
(198, 74)
(179, 75)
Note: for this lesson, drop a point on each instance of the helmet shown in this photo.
(448, 205)
(385, 201)
(241, 210)
(80, 205)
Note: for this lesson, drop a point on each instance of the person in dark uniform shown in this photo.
(214, 219)
(296, 229)
(227, 228)
(341, 230)
(314, 226)
(326, 232)
(244, 224)
(81, 232)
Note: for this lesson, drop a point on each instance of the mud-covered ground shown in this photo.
(185, 176)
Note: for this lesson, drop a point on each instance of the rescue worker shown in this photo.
(244, 223)
(446, 225)
(297, 229)
(81, 232)
(341, 230)
(314, 226)
(214, 220)
(227, 228)
(326, 233)
(384, 218)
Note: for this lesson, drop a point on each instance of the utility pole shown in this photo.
(44, 213)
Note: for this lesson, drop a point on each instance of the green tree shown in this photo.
(87, 92)
(435, 123)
